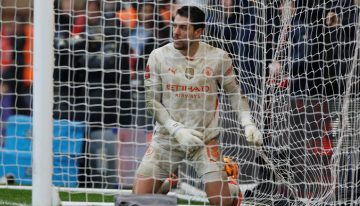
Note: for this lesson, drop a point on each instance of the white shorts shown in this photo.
(160, 163)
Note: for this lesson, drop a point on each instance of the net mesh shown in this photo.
(296, 62)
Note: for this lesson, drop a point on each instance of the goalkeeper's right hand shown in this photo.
(189, 139)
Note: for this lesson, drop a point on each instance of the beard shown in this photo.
(180, 44)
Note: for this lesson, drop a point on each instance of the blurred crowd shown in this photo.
(101, 48)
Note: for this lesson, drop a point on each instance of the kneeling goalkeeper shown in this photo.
(182, 80)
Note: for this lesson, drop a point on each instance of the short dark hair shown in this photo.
(194, 14)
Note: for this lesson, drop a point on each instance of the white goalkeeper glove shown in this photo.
(253, 135)
(189, 139)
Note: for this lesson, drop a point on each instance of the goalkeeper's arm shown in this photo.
(239, 101)
(188, 138)
(240, 104)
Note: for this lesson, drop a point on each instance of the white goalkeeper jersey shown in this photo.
(188, 86)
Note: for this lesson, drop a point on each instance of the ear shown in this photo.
(198, 32)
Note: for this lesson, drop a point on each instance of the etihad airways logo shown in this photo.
(185, 88)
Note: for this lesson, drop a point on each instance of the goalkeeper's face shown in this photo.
(184, 34)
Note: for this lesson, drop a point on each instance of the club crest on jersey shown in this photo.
(229, 71)
(147, 72)
(208, 72)
(189, 73)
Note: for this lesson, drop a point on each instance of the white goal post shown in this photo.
(72, 104)
(42, 163)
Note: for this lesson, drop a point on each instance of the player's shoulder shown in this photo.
(212, 51)
(166, 49)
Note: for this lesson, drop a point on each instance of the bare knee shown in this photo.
(145, 185)
(218, 193)
(219, 200)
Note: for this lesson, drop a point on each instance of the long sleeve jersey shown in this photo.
(185, 89)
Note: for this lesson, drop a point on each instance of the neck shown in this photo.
(191, 50)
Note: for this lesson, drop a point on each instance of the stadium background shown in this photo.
(314, 119)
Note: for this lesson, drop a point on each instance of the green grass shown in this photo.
(85, 197)
(12, 197)
(24, 197)
(8, 196)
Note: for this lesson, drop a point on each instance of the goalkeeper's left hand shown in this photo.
(253, 135)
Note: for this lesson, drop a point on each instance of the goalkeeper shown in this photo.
(182, 80)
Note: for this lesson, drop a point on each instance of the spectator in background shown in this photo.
(17, 64)
(165, 10)
(128, 14)
(234, 31)
(303, 58)
(6, 50)
(63, 18)
(314, 18)
(318, 45)
(299, 50)
(150, 33)
(6, 67)
(111, 8)
(94, 87)
(68, 102)
(293, 57)
(101, 70)
(340, 36)
(292, 49)
(6, 107)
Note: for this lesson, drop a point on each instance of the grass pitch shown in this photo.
(15, 197)
(23, 197)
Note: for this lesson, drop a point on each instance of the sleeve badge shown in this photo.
(208, 72)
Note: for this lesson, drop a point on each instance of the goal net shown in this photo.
(296, 61)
